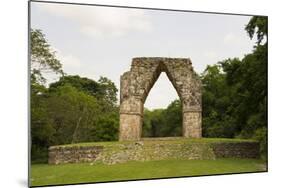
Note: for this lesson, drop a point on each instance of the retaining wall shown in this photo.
(119, 152)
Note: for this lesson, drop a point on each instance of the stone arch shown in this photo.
(137, 83)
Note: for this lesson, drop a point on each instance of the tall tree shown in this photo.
(43, 58)
(216, 99)
(258, 25)
(108, 90)
(72, 113)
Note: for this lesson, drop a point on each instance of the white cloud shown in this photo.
(101, 21)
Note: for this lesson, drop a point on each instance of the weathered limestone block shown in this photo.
(192, 124)
(75, 154)
(131, 127)
(137, 83)
(131, 105)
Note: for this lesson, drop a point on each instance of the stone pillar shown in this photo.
(130, 120)
(191, 122)
(130, 127)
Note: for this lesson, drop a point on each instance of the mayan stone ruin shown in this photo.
(121, 152)
(135, 87)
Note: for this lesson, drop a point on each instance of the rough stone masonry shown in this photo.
(148, 150)
(135, 87)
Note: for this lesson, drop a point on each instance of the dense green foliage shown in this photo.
(65, 113)
(163, 122)
(235, 92)
(85, 172)
(217, 122)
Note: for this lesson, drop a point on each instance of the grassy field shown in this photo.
(44, 174)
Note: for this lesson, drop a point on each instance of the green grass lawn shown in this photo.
(44, 174)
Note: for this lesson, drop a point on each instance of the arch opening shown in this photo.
(162, 115)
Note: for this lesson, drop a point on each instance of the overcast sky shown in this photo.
(101, 41)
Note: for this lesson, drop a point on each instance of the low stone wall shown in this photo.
(58, 155)
(119, 152)
(239, 150)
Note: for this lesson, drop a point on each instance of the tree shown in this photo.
(42, 131)
(43, 58)
(216, 101)
(146, 127)
(258, 25)
(153, 122)
(72, 113)
(108, 90)
(163, 122)
(79, 117)
(104, 90)
(86, 85)
(172, 125)
(106, 128)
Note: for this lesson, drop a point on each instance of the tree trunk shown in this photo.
(75, 131)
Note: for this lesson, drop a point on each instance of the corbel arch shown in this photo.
(137, 83)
